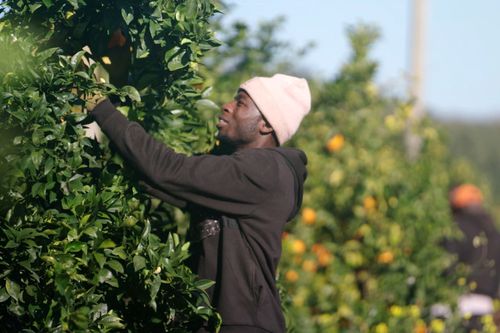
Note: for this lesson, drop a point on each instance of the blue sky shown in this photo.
(462, 60)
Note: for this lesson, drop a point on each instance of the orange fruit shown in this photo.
(298, 246)
(335, 143)
(291, 276)
(309, 216)
(117, 39)
(309, 266)
(420, 328)
(324, 258)
(369, 203)
(318, 248)
(385, 257)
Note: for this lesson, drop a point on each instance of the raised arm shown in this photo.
(231, 184)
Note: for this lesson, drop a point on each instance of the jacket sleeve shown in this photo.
(231, 184)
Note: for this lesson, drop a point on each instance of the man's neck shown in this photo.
(257, 144)
(227, 148)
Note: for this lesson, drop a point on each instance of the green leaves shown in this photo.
(81, 248)
(127, 16)
(13, 289)
(4, 295)
(176, 59)
(47, 3)
(132, 93)
(106, 244)
(139, 263)
(369, 258)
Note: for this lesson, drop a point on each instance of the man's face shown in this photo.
(239, 122)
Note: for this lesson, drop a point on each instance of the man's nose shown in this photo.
(228, 107)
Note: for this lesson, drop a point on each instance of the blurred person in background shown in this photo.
(479, 249)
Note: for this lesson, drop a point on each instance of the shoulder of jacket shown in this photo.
(259, 164)
(256, 153)
(265, 158)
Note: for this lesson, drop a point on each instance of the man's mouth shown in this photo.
(222, 121)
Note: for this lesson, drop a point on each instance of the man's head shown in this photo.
(242, 125)
(465, 195)
(265, 112)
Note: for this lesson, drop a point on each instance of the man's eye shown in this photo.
(239, 103)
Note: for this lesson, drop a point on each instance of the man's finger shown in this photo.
(93, 131)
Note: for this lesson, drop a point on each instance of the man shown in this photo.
(239, 202)
(479, 249)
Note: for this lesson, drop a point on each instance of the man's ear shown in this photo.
(264, 127)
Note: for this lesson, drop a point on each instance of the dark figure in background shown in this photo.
(479, 249)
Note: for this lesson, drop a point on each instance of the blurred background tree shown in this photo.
(476, 142)
(365, 254)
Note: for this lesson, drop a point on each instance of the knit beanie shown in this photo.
(283, 100)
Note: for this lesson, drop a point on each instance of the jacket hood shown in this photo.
(297, 160)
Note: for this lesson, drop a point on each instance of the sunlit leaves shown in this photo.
(365, 254)
(81, 249)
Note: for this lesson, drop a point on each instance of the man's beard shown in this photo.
(246, 135)
(226, 146)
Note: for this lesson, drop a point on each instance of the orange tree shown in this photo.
(81, 250)
(364, 255)
(245, 53)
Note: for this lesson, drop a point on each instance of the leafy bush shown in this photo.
(365, 254)
(81, 249)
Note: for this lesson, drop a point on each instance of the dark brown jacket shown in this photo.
(479, 248)
(239, 205)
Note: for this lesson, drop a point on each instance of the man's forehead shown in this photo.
(245, 97)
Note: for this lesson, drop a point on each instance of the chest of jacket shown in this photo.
(244, 292)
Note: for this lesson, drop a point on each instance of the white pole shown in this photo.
(413, 140)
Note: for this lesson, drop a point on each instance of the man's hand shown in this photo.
(92, 101)
(92, 130)
(100, 75)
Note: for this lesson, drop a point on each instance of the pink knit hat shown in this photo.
(283, 100)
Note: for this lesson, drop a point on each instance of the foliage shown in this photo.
(81, 249)
(246, 53)
(476, 142)
(365, 254)
(156, 45)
